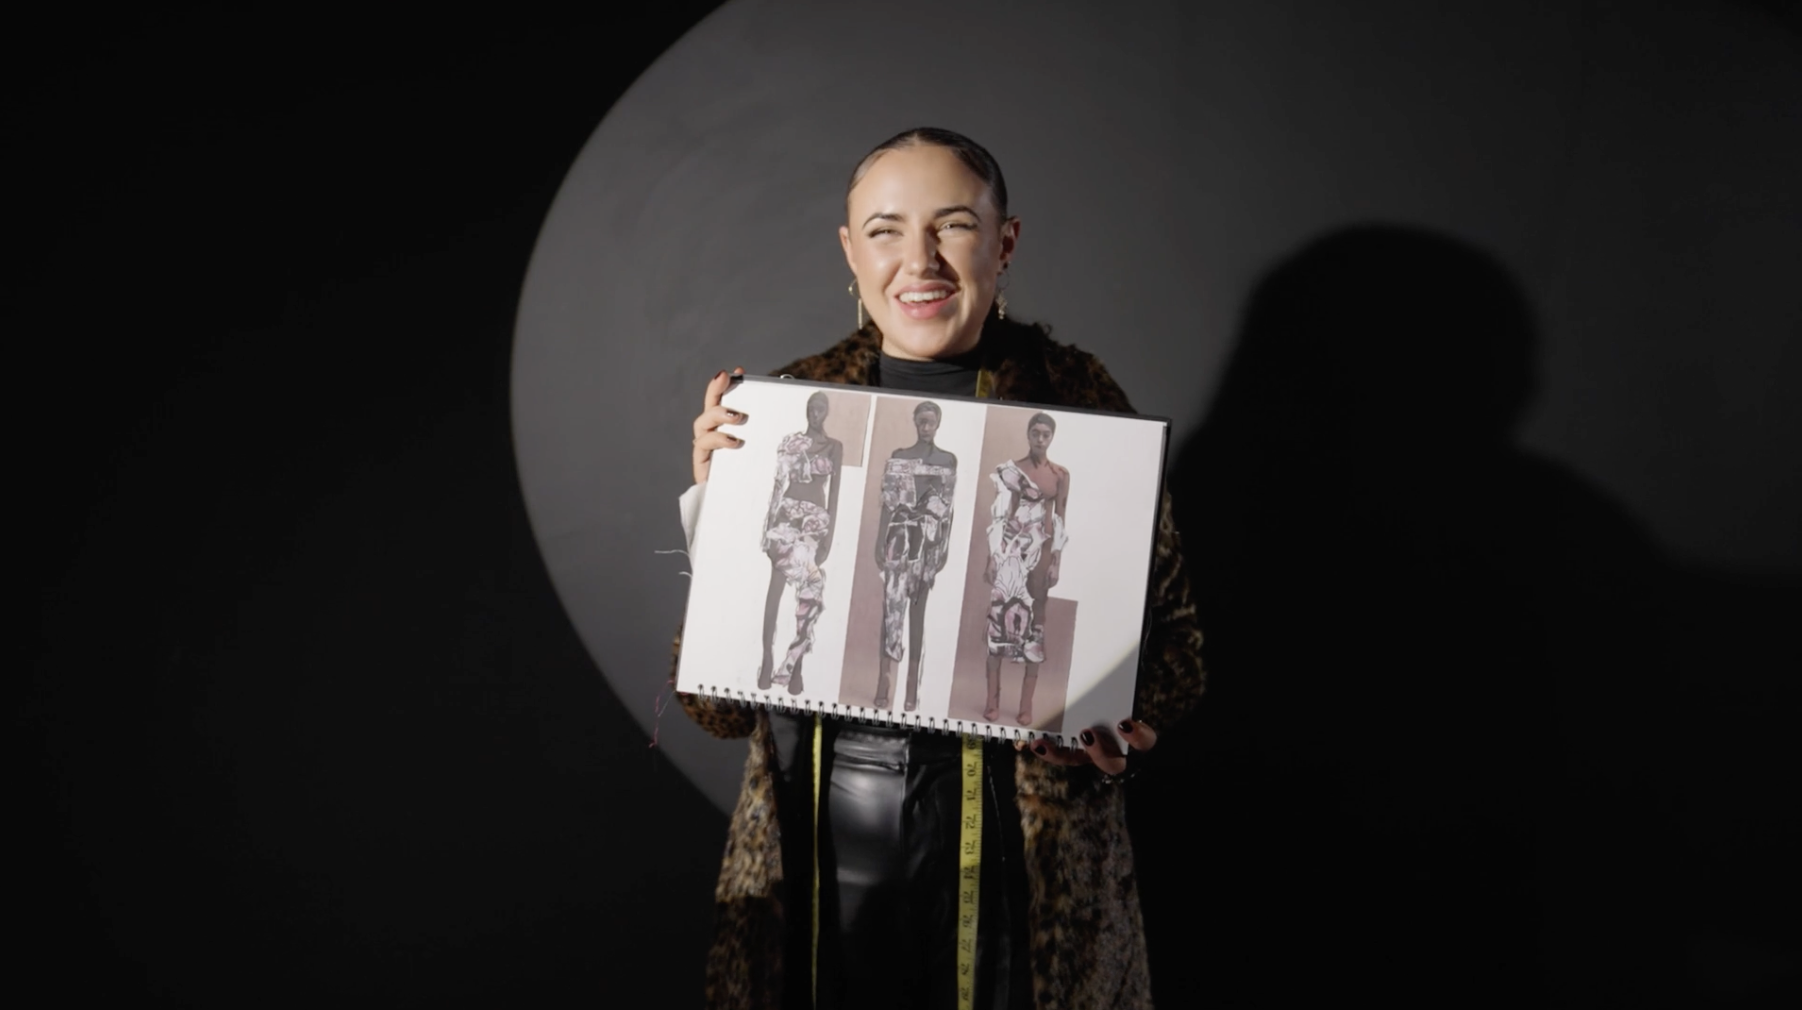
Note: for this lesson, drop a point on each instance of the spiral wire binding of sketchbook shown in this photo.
(780, 702)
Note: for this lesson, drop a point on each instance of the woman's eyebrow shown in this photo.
(889, 215)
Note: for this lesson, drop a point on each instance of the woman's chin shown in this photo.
(908, 339)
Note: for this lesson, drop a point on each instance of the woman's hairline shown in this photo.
(972, 155)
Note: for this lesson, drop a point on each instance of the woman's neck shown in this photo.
(968, 358)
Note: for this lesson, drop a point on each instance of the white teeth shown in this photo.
(925, 296)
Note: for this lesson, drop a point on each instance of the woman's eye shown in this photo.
(960, 224)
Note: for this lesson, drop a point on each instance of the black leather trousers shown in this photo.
(888, 836)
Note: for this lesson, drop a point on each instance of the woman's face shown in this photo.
(927, 245)
(816, 410)
(1038, 438)
(926, 422)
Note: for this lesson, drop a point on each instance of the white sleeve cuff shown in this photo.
(690, 504)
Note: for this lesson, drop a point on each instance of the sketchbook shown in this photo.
(945, 563)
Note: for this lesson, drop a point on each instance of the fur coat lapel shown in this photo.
(1028, 366)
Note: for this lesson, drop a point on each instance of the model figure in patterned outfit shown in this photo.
(1026, 545)
(798, 536)
(917, 488)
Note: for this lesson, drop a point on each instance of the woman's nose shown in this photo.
(923, 257)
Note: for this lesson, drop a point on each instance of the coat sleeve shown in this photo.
(718, 716)
(1171, 675)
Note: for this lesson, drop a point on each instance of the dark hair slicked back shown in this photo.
(974, 156)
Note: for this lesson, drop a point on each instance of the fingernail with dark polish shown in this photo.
(1126, 725)
(1039, 749)
(1088, 738)
(720, 376)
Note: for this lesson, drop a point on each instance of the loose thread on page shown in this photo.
(657, 706)
(661, 702)
(686, 575)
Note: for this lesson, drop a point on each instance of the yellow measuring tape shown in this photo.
(969, 841)
(969, 873)
(818, 734)
(969, 865)
(969, 836)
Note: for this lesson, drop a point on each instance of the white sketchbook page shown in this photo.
(1111, 526)
(723, 630)
(1093, 618)
(1114, 463)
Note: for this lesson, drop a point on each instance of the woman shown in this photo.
(798, 535)
(1026, 545)
(918, 487)
(928, 239)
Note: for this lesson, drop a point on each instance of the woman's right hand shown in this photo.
(708, 435)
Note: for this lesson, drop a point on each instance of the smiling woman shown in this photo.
(933, 240)
(843, 860)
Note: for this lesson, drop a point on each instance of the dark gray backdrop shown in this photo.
(306, 721)
(1632, 166)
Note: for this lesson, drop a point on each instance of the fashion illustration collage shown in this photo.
(960, 564)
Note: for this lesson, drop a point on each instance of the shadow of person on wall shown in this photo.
(1429, 766)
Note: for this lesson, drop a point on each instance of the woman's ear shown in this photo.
(1010, 237)
(844, 239)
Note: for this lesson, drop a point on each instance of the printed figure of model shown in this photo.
(798, 536)
(1026, 543)
(917, 488)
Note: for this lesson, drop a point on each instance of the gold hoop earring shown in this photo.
(851, 289)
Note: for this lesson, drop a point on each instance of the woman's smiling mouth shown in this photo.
(925, 303)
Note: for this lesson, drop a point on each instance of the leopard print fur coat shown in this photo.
(1086, 938)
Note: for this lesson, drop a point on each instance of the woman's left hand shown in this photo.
(1098, 747)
